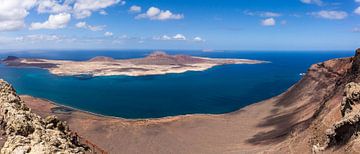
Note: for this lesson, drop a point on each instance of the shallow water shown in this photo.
(217, 90)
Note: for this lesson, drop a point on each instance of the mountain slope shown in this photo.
(296, 121)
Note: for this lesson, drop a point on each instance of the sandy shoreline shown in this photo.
(166, 118)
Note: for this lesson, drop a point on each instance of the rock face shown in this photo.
(28, 133)
(348, 127)
(351, 99)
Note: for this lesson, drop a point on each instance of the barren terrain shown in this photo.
(155, 64)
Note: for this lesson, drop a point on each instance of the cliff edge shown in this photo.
(27, 132)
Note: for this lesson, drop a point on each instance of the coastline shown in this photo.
(268, 126)
(157, 63)
(166, 118)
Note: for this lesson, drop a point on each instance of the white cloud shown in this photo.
(53, 6)
(53, 22)
(198, 39)
(122, 2)
(357, 10)
(13, 12)
(84, 8)
(103, 12)
(317, 2)
(165, 37)
(179, 37)
(108, 34)
(38, 37)
(90, 27)
(333, 15)
(356, 29)
(268, 22)
(154, 13)
(270, 14)
(135, 9)
(262, 14)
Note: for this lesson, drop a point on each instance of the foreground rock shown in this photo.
(27, 132)
(348, 127)
(154, 64)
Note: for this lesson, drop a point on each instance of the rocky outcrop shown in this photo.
(351, 99)
(29, 133)
(348, 127)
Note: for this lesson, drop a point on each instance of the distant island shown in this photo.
(156, 63)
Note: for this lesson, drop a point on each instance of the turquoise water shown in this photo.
(218, 90)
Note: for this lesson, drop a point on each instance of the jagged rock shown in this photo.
(28, 133)
(352, 97)
(355, 69)
(348, 127)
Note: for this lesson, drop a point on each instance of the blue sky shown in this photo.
(180, 24)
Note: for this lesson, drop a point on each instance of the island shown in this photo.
(157, 63)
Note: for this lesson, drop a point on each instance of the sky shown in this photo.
(265, 25)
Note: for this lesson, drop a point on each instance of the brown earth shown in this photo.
(156, 63)
(292, 122)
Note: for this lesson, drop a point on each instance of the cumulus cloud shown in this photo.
(13, 12)
(54, 22)
(84, 8)
(154, 13)
(108, 34)
(177, 37)
(165, 37)
(270, 14)
(262, 14)
(103, 12)
(80, 8)
(53, 6)
(135, 9)
(198, 39)
(268, 22)
(333, 15)
(38, 37)
(356, 29)
(357, 10)
(84, 25)
(317, 2)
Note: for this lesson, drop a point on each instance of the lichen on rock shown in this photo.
(29, 133)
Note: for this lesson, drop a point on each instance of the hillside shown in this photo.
(156, 63)
(318, 114)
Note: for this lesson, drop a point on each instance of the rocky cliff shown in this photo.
(334, 125)
(27, 132)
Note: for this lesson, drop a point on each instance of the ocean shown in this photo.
(218, 90)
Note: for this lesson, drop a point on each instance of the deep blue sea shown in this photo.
(218, 90)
